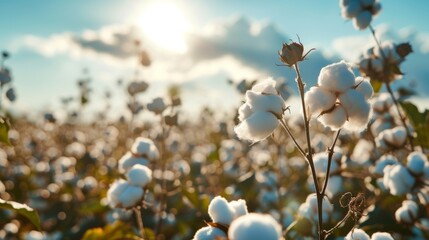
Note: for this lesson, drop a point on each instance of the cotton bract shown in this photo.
(259, 114)
(255, 226)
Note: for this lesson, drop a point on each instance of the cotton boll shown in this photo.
(267, 86)
(362, 20)
(319, 99)
(130, 196)
(395, 136)
(244, 111)
(267, 103)
(257, 127)
(220, 211)
(337, 77)
(357, 109)
(384, 161)
(255, 226)
(407, 213)
(334, 119)
(416, 162)
(114, 191)
(139, 175)
(129, 160)
(351, 9)
(367, 3)
(398, 180)
(357, 234)
(145, 147)
(239, 207)
(209, 233)
(381, 236)
(157, 105)
(364, 87)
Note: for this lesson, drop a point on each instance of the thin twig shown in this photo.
(330, 155)
(138, 213)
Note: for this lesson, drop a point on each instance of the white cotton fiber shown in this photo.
(129, 160)
(407, 213)
(244, 112)
(381, 236)
(220, 211)
(114, 191)
(267, 86)
(255, 226)
(334, 119)
(130, 196)
(398, 180)
(145, 146)
(257, 127)
(362, 20)
(337, 77)
(357, 109)
(395, 136)
(357, 234)
(416, 162)
(209, 233)
(139, 175)
(239, 207)
(267, 103)
(364, 87)
(351, 9)
(318, 100)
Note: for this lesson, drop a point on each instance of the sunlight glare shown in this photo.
(165, 25)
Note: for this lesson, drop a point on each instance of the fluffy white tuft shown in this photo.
(357, 234)
(220, 211)
(145, 147)
(381, 236)
(266, 103)
(364, 87)
(362, 20)
(139, 175)
(407, 213)
(209, 233)
(416, 162)
(357, 108)
(239, 207)
(319, 99)
(337, 77)
(244, 111)
(397, 179)
(334, 119)
(257, 127)
(129, 160)
(255, 226)
(267, 86)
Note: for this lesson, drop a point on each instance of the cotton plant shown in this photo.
(222, 213)
(130, 193)
(361, 12)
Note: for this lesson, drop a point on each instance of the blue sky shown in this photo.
(41, 76)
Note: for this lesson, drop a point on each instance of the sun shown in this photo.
(166, 25)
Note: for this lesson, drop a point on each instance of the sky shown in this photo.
(194, 44)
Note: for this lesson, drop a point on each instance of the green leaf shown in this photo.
(4, 130)
(22, 209)
(117, 230)
(376, 85)
(419, 120)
